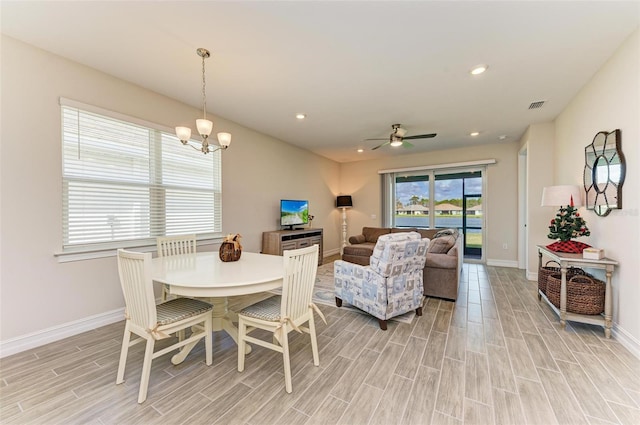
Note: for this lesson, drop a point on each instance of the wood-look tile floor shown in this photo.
(496, 356)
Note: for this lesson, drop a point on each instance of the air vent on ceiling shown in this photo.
(536, 105)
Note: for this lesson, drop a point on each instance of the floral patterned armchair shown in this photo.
(391, 284)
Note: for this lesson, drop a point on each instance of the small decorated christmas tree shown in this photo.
(567, 225)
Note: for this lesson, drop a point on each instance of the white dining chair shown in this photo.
(151, 322)
(282, 314)
(174, 245)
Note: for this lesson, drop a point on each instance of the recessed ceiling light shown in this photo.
(301, 116)
(479, 69)
(504, 136)
(474, 134)
(360, 150)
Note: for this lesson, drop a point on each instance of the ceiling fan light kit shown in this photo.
(395, 142)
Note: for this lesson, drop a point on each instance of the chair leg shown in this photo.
(208, 338)
(146, 370)
(314, 341)
(123, 354)
(419, 311)
(383, 324)
(242, 331)
(287, 360)
(338, 302)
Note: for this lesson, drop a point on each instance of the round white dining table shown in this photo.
(204, 275)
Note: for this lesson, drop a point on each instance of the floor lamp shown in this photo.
(344, 202)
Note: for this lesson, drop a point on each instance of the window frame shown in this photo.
(89, 250)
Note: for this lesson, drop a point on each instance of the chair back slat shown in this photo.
(176, 245)
(134, 269)
(300, 269)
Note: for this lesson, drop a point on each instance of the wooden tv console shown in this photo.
(279, 240)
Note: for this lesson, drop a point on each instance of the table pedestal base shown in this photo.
(223, 319)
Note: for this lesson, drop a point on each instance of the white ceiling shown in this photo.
(354, 68)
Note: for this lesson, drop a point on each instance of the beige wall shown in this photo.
(539, 143)
(361, 180)
(39, 293)
(611, 100)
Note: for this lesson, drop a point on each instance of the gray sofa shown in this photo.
(441, 274)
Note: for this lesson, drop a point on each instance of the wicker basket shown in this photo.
(585, 294)
(547, 270)
(544, 273)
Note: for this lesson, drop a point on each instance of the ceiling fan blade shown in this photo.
(406, 144)
(420, 136)
(379, 146)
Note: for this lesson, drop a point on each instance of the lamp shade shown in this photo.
(557, 196)
(344, 201)
(224, 139)
(183, 133)
(204, 127)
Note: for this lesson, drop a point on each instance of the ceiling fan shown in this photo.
(397, 138)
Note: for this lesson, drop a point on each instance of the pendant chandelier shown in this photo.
(203, 125)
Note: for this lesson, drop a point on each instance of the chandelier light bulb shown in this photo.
(204, 127)
(224, 139)
(183, 133)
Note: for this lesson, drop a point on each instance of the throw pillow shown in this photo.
(446, 232)
(441, 245)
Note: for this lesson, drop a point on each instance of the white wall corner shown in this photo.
(56, 333)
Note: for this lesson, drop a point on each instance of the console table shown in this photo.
(565, 260)
(279, 240)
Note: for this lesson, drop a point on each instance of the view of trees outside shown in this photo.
(447, 191)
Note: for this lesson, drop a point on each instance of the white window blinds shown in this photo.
(125, 183)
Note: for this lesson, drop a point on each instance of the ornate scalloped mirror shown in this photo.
(604, 171)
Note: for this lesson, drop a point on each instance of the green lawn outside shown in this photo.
(474, 240)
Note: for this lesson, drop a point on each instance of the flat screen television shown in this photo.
(293, 212)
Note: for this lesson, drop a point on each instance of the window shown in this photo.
(445, 196)
(125, 182)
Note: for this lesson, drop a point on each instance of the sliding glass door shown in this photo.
(439, 199)
(472, 225)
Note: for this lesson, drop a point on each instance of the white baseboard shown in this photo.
(503, 263)
(331, 252)
(56, 333)
(532, 276)
(626, 339)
